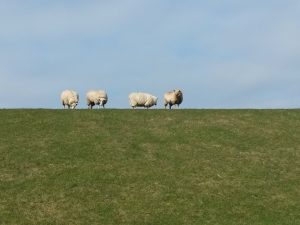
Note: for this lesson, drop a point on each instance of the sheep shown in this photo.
(140, 99)
(98, 97)
(69, 98)
(174, 97)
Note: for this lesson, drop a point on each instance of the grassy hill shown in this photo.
(150, 167)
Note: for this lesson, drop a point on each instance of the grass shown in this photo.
(150, 167)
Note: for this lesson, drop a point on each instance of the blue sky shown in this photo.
(222, 54)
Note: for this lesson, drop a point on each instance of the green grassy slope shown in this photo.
(150, 167)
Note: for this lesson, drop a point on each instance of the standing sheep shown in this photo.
(69, 98)
(174, 97)
(139, 99)
(98, 97)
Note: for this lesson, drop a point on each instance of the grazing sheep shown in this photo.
(69, 98)
(139, 99)
(174, 97)
(98, 97)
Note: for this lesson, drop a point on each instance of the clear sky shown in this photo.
(222, 54)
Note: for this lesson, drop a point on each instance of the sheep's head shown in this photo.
(178, 93)
(73, 105)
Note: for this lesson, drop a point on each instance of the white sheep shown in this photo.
(174, 97)
(69, 98)
(98, 97)
(140, 99)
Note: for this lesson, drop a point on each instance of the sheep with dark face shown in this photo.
(140, 99)
(98, 97)
(69, 98)
(174, 97)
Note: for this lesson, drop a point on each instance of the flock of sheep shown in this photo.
(70, 99)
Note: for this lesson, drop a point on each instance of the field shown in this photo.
(150, 167)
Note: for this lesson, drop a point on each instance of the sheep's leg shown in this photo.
(103, 104)
(89, 104)
(92, 105)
